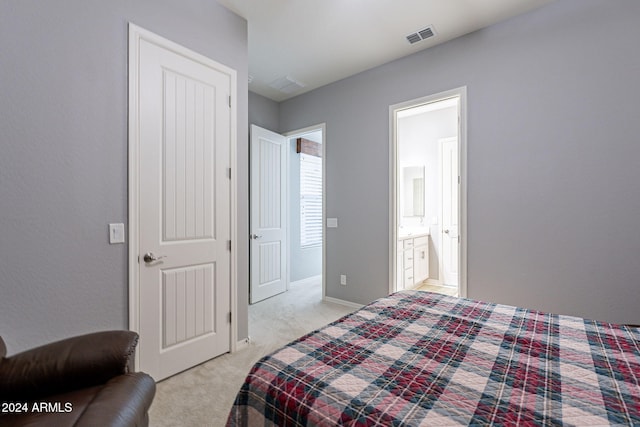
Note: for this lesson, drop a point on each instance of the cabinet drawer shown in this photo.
(407, 243)
(408, 278)
(408, 259)
(421, 241)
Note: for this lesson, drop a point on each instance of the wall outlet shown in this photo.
(343, 279)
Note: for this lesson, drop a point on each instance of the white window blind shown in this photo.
(310, 200)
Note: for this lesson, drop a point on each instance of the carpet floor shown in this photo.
(203, 395)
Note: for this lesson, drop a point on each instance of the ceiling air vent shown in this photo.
(414, 38)
(421, 35)
(287, 84)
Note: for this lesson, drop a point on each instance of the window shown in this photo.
(310, 200)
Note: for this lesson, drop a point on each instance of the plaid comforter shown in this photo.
(422, 359)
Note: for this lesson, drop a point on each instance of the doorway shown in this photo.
(428, 202)
(306, 207)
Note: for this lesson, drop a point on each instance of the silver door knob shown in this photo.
(254, 236)
(446, 231)
(150, 257)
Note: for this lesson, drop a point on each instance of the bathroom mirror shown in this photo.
(413, 191)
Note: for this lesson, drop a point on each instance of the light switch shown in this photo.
(116, 233)
(332, 222)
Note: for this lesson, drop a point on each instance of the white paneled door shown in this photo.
(450, 212)
(268, 214)
(184, 207)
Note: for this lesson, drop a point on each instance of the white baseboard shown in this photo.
(242, 344)
(342, 302)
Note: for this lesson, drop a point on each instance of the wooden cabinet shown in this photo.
(412, 261)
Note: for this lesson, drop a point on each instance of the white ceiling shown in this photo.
(317, 42)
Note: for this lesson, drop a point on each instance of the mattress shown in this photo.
(423, 359)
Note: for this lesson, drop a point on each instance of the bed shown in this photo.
(424, 359)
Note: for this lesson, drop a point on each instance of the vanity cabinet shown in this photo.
(412, 261)
(420, 259)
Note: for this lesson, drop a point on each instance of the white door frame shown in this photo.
(299, 132)
(461, 93)
(136, 34)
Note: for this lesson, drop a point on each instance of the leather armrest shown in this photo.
(70, 364)
(123, 401)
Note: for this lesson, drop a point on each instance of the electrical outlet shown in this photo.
(343, 279)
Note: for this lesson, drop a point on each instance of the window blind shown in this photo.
(310, 200)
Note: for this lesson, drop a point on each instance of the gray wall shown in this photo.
(63, 161)
(553, 155)
(263, 112)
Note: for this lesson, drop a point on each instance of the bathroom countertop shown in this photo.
(413, 232)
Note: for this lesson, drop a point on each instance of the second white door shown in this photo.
(450, 199)
(268, 232)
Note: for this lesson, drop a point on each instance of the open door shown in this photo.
(268, 231)
(450, 240)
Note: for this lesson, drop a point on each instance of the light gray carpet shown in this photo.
(202, 396)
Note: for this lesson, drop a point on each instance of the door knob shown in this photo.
(446, 231)
(254, 236)
(150, 257)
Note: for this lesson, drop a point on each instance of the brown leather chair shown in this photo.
(80, 381)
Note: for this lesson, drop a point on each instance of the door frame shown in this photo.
(461, 93)
(136, 34)
(291, 134)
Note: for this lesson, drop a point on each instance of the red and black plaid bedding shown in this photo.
(422, 359)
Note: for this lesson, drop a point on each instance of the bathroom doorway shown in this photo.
(428, 152)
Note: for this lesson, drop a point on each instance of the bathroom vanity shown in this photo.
(413, 260)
